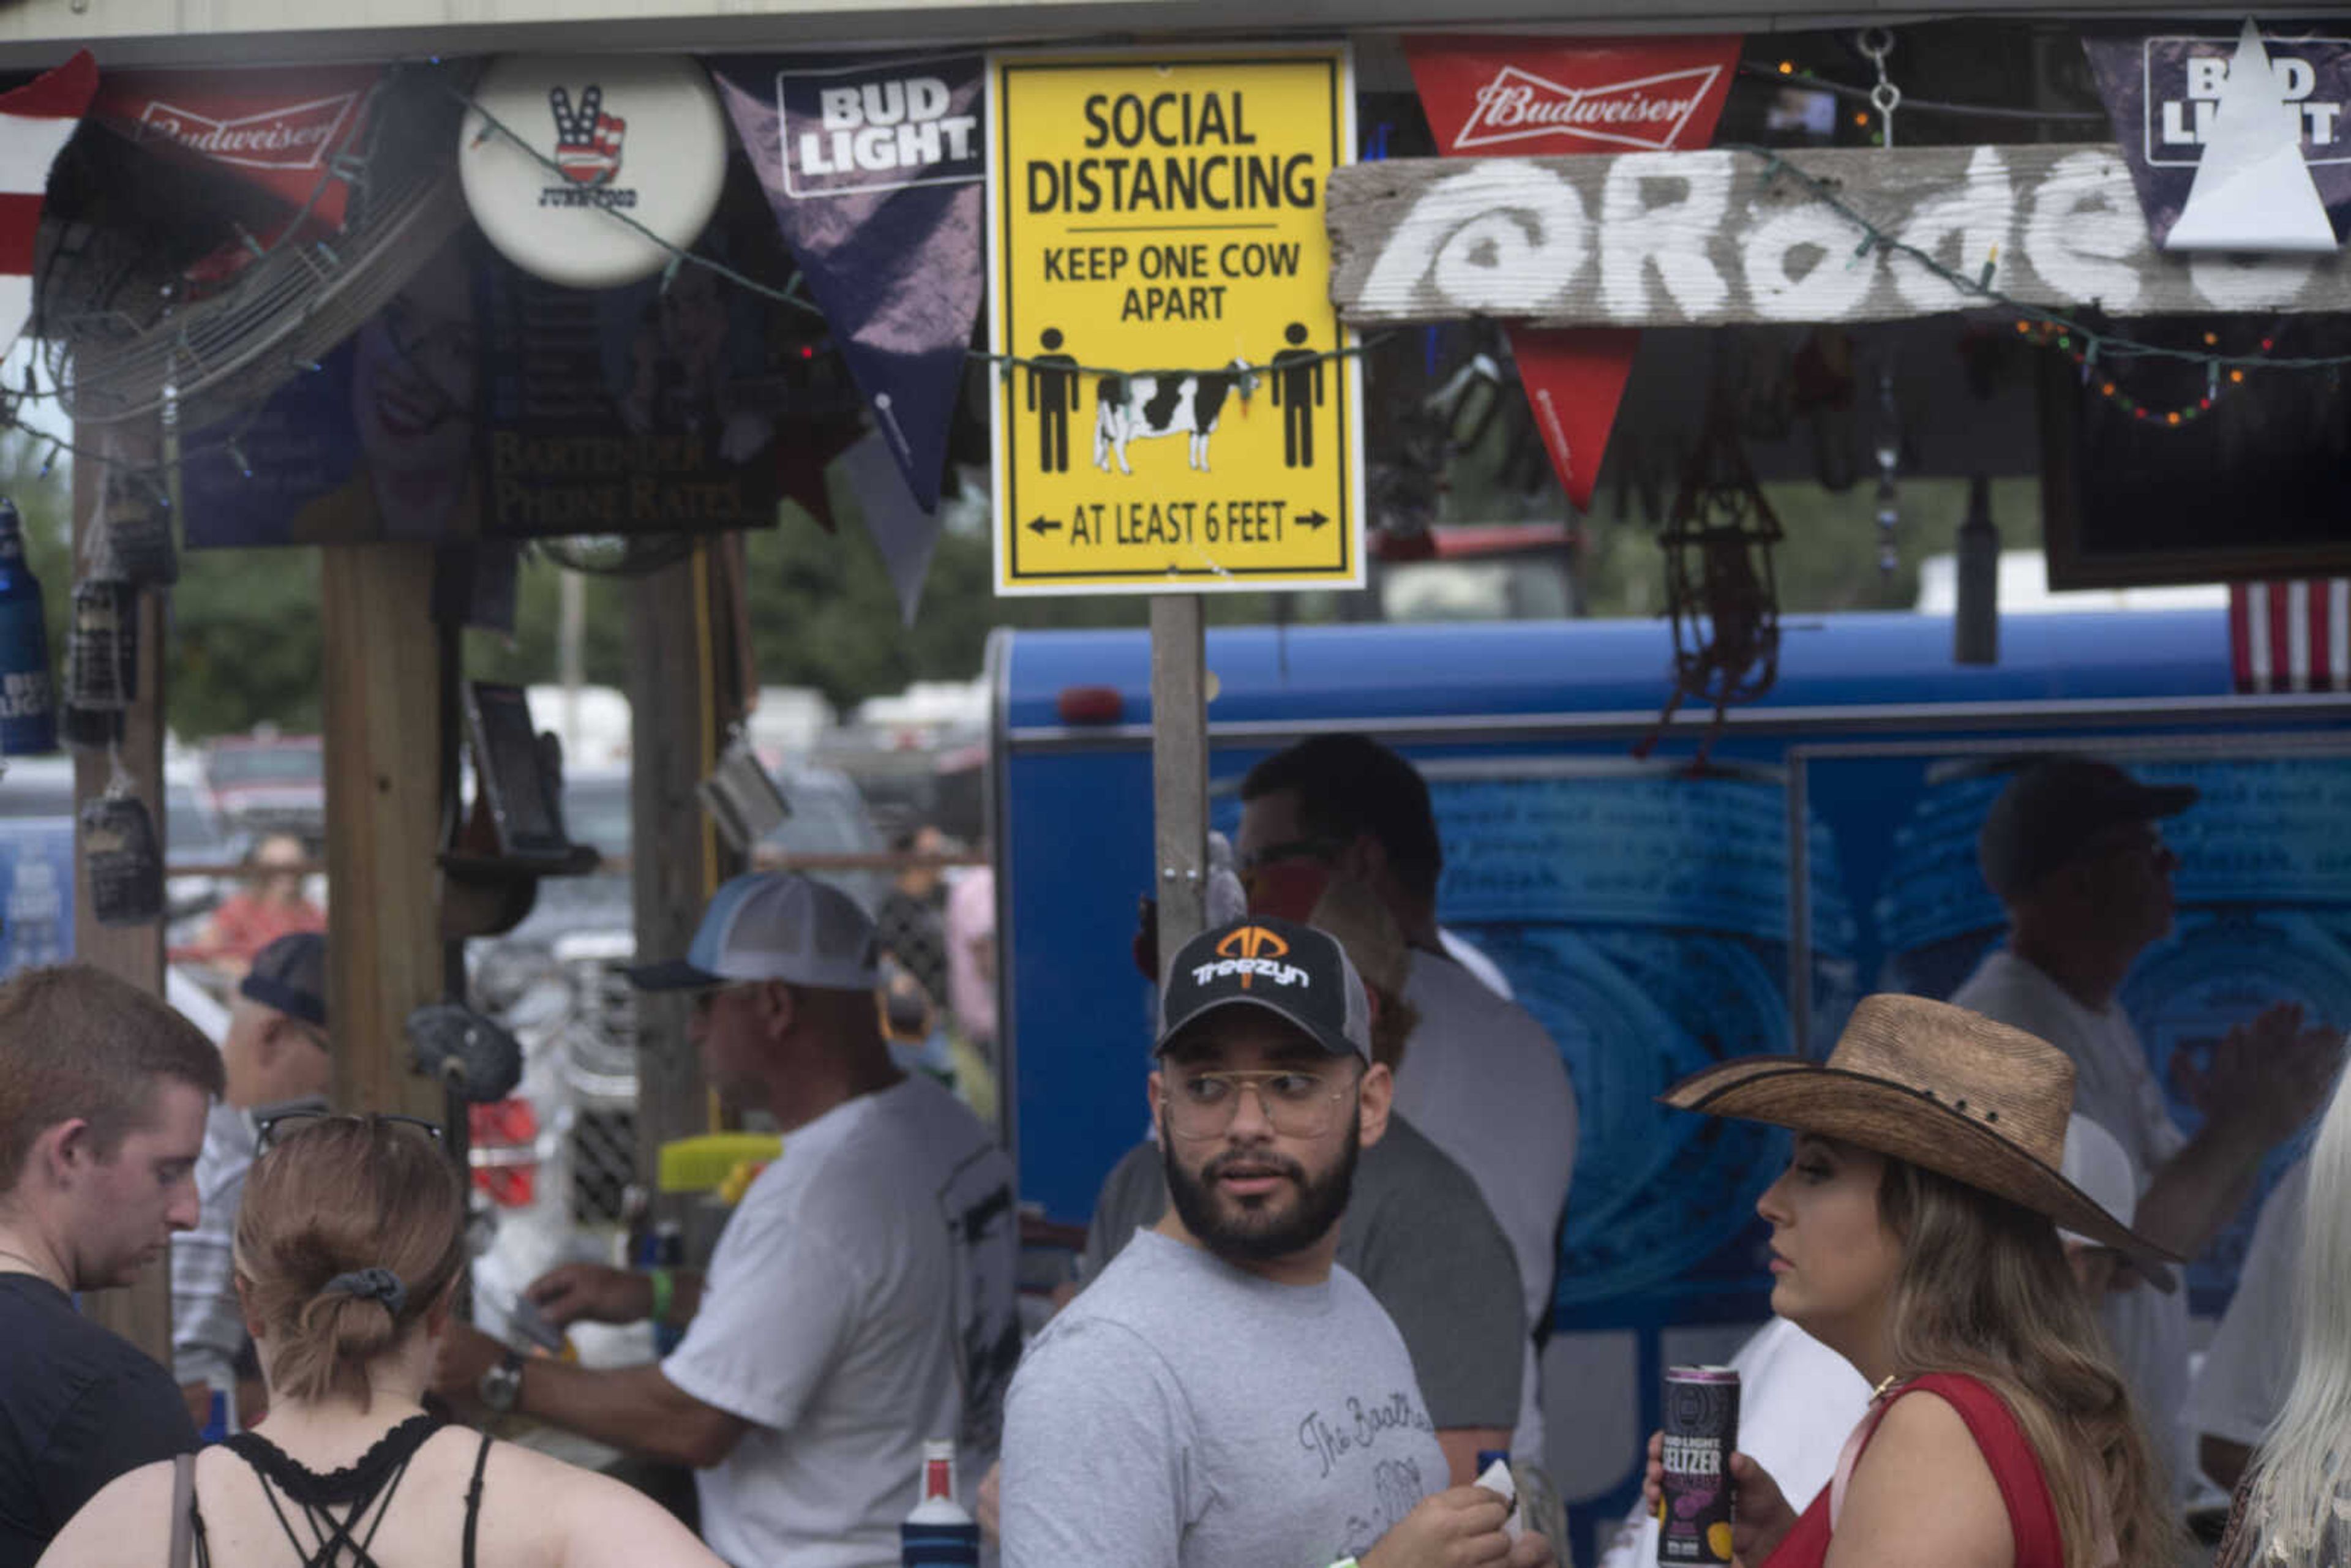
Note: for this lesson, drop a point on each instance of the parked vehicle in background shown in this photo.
(37, 857)
(557, 1158)
(270, 783)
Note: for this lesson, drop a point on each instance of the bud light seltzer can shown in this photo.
(1701, 1428)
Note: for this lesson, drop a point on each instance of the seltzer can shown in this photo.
(1702, 1428)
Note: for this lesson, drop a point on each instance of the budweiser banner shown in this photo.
(873, 171)
(1537, 96)
(278, 128)
(2234, 142)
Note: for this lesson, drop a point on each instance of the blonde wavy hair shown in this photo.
(1984, 1290)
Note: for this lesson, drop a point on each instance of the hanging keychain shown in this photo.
(138, 523)
(102, 648)
(119, 844)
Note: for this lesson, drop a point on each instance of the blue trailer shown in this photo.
(1656, 917)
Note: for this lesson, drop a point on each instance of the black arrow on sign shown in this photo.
(1312, 519)
(1041, 527)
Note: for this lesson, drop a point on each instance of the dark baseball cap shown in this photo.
(1297, 973)
(2055, 807)
(290, 975)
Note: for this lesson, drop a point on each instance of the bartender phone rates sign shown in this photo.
(1177, 415)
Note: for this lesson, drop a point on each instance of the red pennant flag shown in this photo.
(1540, 97)
(36, 120)
(277, 129)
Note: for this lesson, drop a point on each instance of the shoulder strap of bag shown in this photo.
(183, 1497)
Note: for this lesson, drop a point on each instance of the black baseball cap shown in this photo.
(1295, 972)
(2051, 810)
(290, 975)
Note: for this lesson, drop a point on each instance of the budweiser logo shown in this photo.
(1519, 106)
(298, 136)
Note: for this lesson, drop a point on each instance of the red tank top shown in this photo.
(2032, 1515)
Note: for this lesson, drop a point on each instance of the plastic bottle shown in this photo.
(938, 1533)
(29, 718)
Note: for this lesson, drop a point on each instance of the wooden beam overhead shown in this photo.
(1723, 237)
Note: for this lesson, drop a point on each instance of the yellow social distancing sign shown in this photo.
(1180, 416)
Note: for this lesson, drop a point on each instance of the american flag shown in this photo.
(36, 123)
(2291, 636)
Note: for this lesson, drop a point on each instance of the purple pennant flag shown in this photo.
(874, 169)
(2164, 94)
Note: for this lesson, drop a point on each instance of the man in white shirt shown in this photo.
(1482, 1080)
(2072, 850)
(862, 1298)
(2249, 1367)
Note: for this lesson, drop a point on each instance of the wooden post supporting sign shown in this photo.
(1180, 768)
(140, 1313)
(383, 679)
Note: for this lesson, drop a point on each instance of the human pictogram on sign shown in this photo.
(1181, 408)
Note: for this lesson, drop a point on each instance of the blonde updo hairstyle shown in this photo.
(340, 1195)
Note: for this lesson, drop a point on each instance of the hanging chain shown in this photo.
(1889, 459)
(1885, 98)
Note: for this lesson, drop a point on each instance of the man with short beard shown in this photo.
(1224, 1396)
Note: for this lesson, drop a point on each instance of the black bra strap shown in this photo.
(474, 1497)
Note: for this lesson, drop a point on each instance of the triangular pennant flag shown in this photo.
(277, 128)
(873, 171)
(907, 535)
(2252, 189)
(1525, 95)
(36, 120)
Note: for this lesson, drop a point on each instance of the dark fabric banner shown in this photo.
(873, 171)
(2165, 92)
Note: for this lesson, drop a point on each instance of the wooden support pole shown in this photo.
(142, 1313)
(1180, 768)
(673, 861)
(384, 673)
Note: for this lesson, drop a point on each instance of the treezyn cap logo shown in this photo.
(1249, 952)
(587, 141)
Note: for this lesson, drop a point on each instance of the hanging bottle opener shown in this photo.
(126, 864)
(138, 523)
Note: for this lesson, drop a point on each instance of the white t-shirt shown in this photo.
(2115, 1086)
(2249, 1367)
(1484, 1084)
(1797, 1402)
(862, 1300)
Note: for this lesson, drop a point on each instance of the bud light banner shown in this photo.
(2210, 125)
(873, 172)
(1538, 98)
(276, 129)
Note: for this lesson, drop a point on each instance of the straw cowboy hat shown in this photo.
(1940, 1087)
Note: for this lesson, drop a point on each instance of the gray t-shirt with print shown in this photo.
(1417, 1233)
(1187, 1413)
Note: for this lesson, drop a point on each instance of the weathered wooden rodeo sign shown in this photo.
(1713, 239)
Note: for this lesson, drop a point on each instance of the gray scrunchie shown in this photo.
(371, 1285)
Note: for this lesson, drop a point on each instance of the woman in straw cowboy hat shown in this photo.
(1912, 1233)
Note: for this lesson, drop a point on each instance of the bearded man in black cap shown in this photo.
(2072, 850)
(1226, 1396)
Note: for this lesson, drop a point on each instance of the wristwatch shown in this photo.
(501, 1385)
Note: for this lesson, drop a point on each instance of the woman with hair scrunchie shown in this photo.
(1915, 1233)
(350, 1250)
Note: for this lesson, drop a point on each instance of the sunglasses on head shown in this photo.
(275, 1129)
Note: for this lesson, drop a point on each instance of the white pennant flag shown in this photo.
(2252, 189)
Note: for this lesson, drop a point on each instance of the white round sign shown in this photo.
(600, 135)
